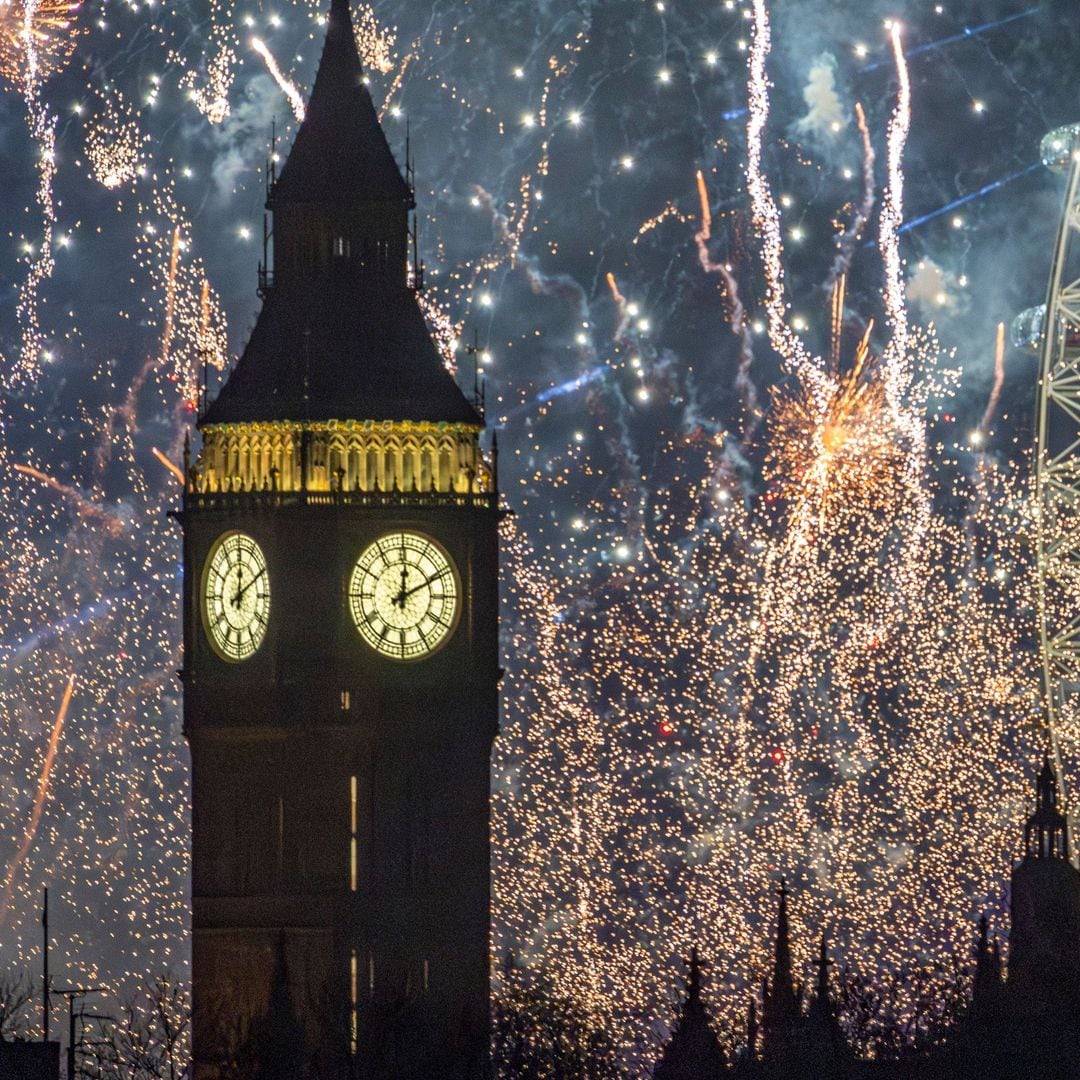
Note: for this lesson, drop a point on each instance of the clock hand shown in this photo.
(400, 598)
(239, 582)
(426, 581)
(250, 583)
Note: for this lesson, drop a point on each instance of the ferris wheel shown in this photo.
(1053, 331)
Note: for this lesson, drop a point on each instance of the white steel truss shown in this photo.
(1057, 461)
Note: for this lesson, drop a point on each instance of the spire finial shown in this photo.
(783, 995)
(693, 985)
(824, 963)
(340, 13)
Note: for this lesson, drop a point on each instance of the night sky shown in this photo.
(557, 146)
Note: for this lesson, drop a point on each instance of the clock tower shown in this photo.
(340, 645)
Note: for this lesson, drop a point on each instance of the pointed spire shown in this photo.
(751, 1030)
(823, 965)
(693, 984)
(1046, 834)
(340, 335)
(693, 1052)
(340, 117)
(783, 987)
(986, 985)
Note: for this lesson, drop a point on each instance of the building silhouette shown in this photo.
(340, 644)
(1020, 1024)
(694, 1049)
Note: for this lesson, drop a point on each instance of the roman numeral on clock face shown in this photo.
(404, 595)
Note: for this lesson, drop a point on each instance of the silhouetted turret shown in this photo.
(1044, 943)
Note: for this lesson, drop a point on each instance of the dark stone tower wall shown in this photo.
(1044, 940)
(340, 797)
(274, 753)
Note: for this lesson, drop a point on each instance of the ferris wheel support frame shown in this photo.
(1057, 471)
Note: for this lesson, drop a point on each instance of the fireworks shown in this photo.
(37, 38)
(113, 144)
(840, 458)
(288, 88)
(765, 610)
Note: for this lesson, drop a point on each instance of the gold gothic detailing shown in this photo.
(341, 456)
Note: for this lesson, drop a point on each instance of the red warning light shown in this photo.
(666, 728)
(777, 755)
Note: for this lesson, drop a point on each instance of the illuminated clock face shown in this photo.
(236, 596)
(403, 595)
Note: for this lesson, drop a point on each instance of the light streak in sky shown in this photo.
(174, 469)
(39, 802)
(892, 215)
(736, 314)
(170, 297)
(766, 214)
(288, 87)
(965, 35)
(846, 247)
(999, 382)
(83, 505)
(963, 200)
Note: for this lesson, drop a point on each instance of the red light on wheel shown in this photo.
(777, 755)
(666, 729)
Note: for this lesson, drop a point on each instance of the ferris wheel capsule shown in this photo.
(1059, 146)
(1027, 328)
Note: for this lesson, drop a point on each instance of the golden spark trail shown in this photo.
(736, 315)
(42, 125)
(395, 85)
(39, 801)
(620, 304)
(28, 68)
(892, 217)
(670, 210)
(837, 319)
(288, 87)
(170, 297)
(897, 368)
(842, 262)
(999, 381)
(82, 504)
(174, 469)
(766, 215)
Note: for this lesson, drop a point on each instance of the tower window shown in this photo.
(354, 833)
(342, 247)
(426, 975)
(346, 701)
(354, 1040)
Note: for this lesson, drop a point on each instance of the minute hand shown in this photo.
(423, 584)
(250, 583)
